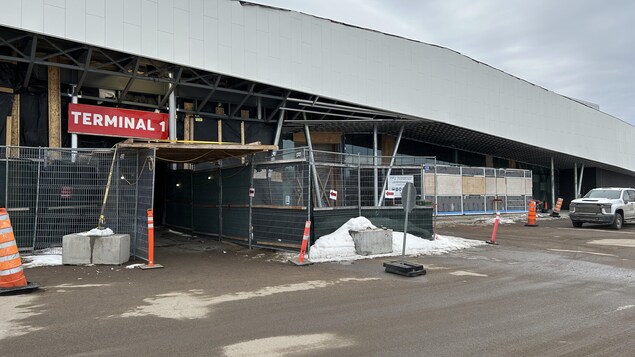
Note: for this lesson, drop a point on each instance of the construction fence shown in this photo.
(264, 200)
(51, 192)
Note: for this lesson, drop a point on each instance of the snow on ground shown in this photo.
(339, 245)
(46, 257)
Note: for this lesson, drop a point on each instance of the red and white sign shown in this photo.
(127, 123)
(333, 195)
(389, 194)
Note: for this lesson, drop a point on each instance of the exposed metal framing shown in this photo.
(209, 95)
(135, 70)
(392, 162)
(240, 105)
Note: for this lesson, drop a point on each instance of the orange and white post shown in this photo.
(496, 222)
(305, 242)
(151, 264)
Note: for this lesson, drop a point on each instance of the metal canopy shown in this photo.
(86, 66)
(196, 153)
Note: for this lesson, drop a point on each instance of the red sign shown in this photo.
(333, 195)
(127, 123)
(66, 192)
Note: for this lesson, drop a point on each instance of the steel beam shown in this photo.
(392, 162)
(29, 70)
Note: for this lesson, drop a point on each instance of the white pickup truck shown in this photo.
(609, 205)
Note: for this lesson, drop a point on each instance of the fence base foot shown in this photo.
(405, 269)
(153, 266)
(297, 262)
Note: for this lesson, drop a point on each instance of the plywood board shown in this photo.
(515, 186)
(449, 185)
(490, 186)
(429, 185)
(320, 137)
(501, 186)
(473, 185)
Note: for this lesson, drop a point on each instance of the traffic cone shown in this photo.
(531, 214)
(12, 277)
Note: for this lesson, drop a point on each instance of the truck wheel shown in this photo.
(617, 223)
(576, 224)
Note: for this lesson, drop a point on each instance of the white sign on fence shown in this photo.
(397, 182)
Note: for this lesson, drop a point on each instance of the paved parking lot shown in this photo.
(550, 290)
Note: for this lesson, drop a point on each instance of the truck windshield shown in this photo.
(610, 194)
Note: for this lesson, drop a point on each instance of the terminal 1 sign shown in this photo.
(127, 123)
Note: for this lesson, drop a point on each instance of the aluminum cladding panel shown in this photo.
(318, 56)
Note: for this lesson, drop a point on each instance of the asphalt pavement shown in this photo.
(551, 290)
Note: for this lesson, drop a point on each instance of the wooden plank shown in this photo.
(6, 90)
(387, 147)
(321, 137)
(188, 129)
(15, 126)
(7, 131)
(242, 133)
(54, 106)
(220, 131)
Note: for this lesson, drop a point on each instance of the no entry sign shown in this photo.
(127, 123)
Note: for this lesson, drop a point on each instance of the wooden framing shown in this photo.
(54, 107)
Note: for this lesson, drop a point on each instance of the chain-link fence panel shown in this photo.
(52, 192)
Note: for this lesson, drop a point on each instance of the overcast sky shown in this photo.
(579, 48)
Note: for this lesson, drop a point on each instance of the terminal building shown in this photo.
(194, 82)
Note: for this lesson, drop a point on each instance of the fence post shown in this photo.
(250, 231)
(359, 186)
(37, 196)
(461, 176)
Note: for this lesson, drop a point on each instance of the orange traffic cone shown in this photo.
(11, 273)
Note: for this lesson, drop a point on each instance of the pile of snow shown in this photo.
(98, 232)
(339, 245)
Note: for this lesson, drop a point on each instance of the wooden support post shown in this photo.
(188, 125)
(54, 106)
(7, 131)
(15, 126)
(220, 131)
(188, 129)
(387, 147)
(242, 133)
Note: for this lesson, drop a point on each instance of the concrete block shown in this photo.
(76, 249)
(372, 241)
(114, 249)
(81, 249)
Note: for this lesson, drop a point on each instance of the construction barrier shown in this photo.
(556, 209)
(496, 222)
(11, 272)
(531, 214)
(305, 242)
(151, 264)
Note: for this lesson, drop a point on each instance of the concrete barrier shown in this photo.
(372, 241)
(79, 249)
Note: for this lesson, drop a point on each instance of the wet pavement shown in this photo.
(551, 290)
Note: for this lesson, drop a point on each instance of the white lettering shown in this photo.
(162, 123)
(129, 123)
(97, 119)
(75, 116)
(86, 119)
(110, 121)
(140, 125)
(150, 127)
